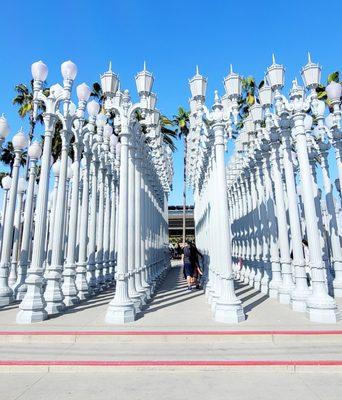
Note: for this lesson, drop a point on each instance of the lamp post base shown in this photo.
(31, 317)
(120, 314)
(229, 313)
(323, 309)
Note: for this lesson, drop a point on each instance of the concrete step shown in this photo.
(182, 336)
(73, 350)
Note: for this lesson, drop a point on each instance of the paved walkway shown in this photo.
(174, 308)
(199, 384)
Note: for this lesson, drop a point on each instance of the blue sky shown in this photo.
(172, 36)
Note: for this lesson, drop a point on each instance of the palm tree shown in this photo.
(24, 99)
(181, 121)
(8, 156)
(167, 133)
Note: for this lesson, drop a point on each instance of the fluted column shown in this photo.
(20, 287)
(32, 308)
(6, 294)
(121, 308)
(228, 307)
(320, 306)
(69, 285)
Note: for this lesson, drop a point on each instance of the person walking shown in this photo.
(188, 269)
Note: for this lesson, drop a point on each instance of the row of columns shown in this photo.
(104, 223)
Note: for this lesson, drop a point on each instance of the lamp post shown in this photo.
(320, 306)
(53, 293)
(17, 234)
(227, 307)
(32, 308)
(6, 185)
(81, 282)
(19, 290)
(4, 129)
(6, 295)
(121, 308)
(69, 273)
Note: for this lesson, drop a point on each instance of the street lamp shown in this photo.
(6, 295)
(32, 308)
(19, 290)
(121, 308)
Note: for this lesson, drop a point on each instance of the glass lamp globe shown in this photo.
(233, 84)
(276, 75)
(35, 151)
(107, 131)
(39, 71)
(69, 70)
(56, 89)
(109, 81)
(56, 167)
(22, 185)
(6, 182)
(83, 92)
(144, 81)
(93, 108)
(198, 85)
(19, 141)
(256, 112)
(311, 74)
(152, 101)
(265, 96)
(113, 140)
(334, 91)
(155, 118)
(308, 120)
(4, 127)
(101, 120)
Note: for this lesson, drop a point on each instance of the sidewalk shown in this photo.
(173, 308)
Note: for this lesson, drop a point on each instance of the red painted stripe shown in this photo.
(172, 333)
(92, 363)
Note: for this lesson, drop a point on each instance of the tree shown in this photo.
(168, 134)
(8, 156)
(24, 99)
(181, 121)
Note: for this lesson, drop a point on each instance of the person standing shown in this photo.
(188, 269)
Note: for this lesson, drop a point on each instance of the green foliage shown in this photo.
(8, 156)
(24, 101)
(168, 134)
(334, 77)
(2, 175)
(181, 122)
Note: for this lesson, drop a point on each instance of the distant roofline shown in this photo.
(180, 207)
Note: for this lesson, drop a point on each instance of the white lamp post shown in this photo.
(19, 290)
(6, 296)
(6, 185)
(121, 308)
(4, 129)
(17, 234)
(32, 308)
(69, 273)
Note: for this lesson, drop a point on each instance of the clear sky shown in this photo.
(172, 36)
